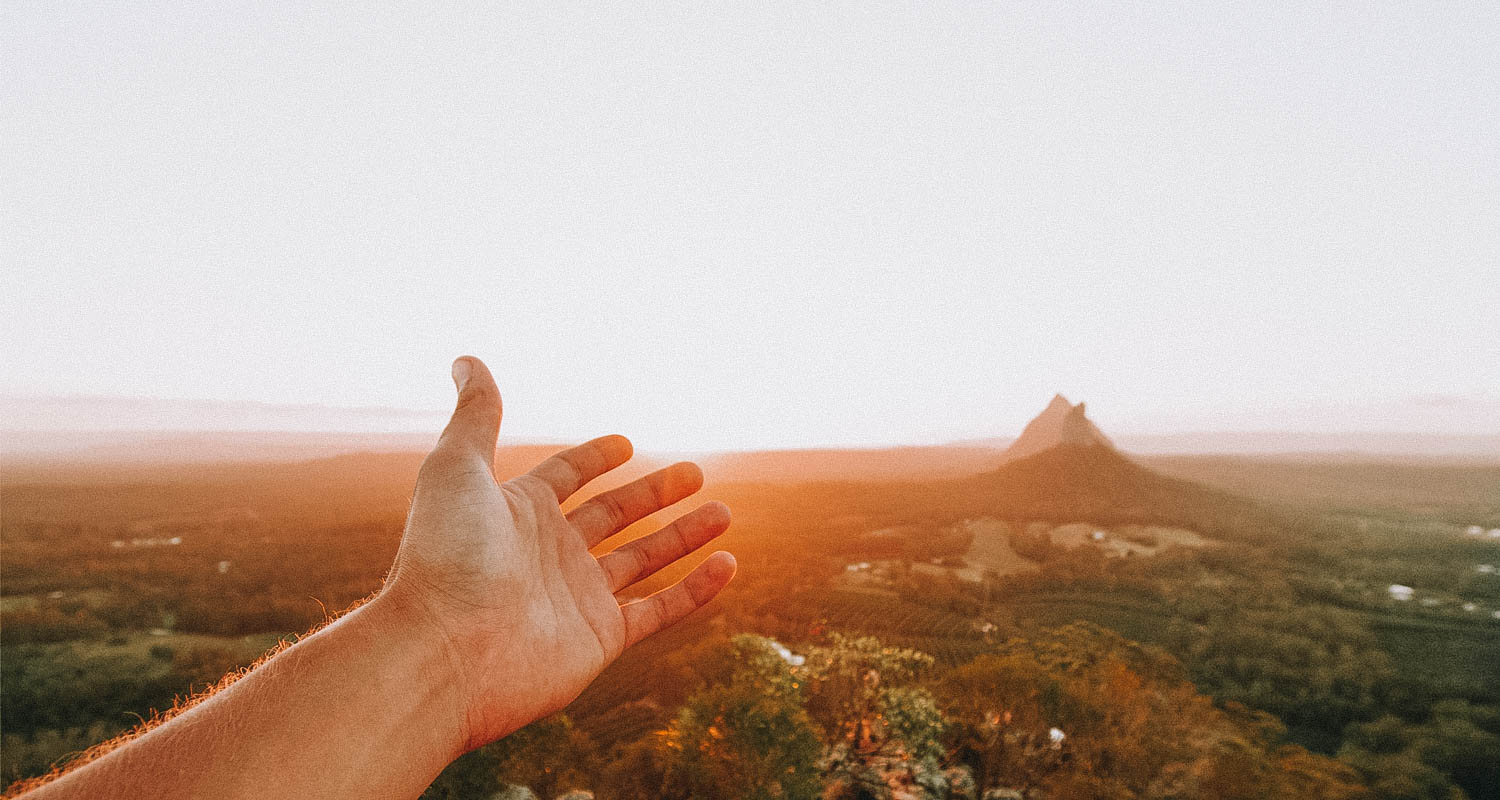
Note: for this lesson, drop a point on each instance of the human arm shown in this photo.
(494, 614)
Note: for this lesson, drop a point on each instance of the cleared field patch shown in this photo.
(88, 598)
(1125, 540)
(991, 549)
(20, 602)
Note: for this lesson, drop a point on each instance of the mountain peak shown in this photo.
(1061, 422)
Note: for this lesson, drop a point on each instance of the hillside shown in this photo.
(1095, 482)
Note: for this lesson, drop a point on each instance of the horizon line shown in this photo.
(1212, 442)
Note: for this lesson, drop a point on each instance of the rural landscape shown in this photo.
(1105, 398)
(1045, 617)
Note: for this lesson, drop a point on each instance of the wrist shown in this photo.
(423, 669)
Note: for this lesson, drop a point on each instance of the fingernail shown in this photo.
(461, 369)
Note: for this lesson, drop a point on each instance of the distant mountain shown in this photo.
(1059, 423)
(1063, 467)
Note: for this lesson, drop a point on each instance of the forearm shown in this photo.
(495, 614)
(361, 709)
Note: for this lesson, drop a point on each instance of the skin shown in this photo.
(495, 614)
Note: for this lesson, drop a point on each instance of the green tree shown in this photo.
(846, 679)
(1457, 748)
(1083, 712)
(549, 756)
(750, 738)
(636, 770)
(912, 718)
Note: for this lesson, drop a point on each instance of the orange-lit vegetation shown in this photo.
(1205, 645)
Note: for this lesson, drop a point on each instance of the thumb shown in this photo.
(476, 419)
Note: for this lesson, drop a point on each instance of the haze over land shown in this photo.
(144, 429)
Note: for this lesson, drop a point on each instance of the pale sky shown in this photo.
(761, 225)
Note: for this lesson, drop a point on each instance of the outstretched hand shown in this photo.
(527, 615)
(495, 614)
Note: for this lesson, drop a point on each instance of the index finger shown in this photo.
(569, 470)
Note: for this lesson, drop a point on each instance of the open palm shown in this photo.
(528, 614)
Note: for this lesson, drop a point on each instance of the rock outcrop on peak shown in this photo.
(1060, 423)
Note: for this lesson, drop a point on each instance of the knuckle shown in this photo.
(656, 487)
(680, 539)
(444, 460)
(482, 397)
(659, 611)
(698, 590)
(614, 509)
(568, 477)
(640, 562)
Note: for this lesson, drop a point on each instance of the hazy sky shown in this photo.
(771, 224)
